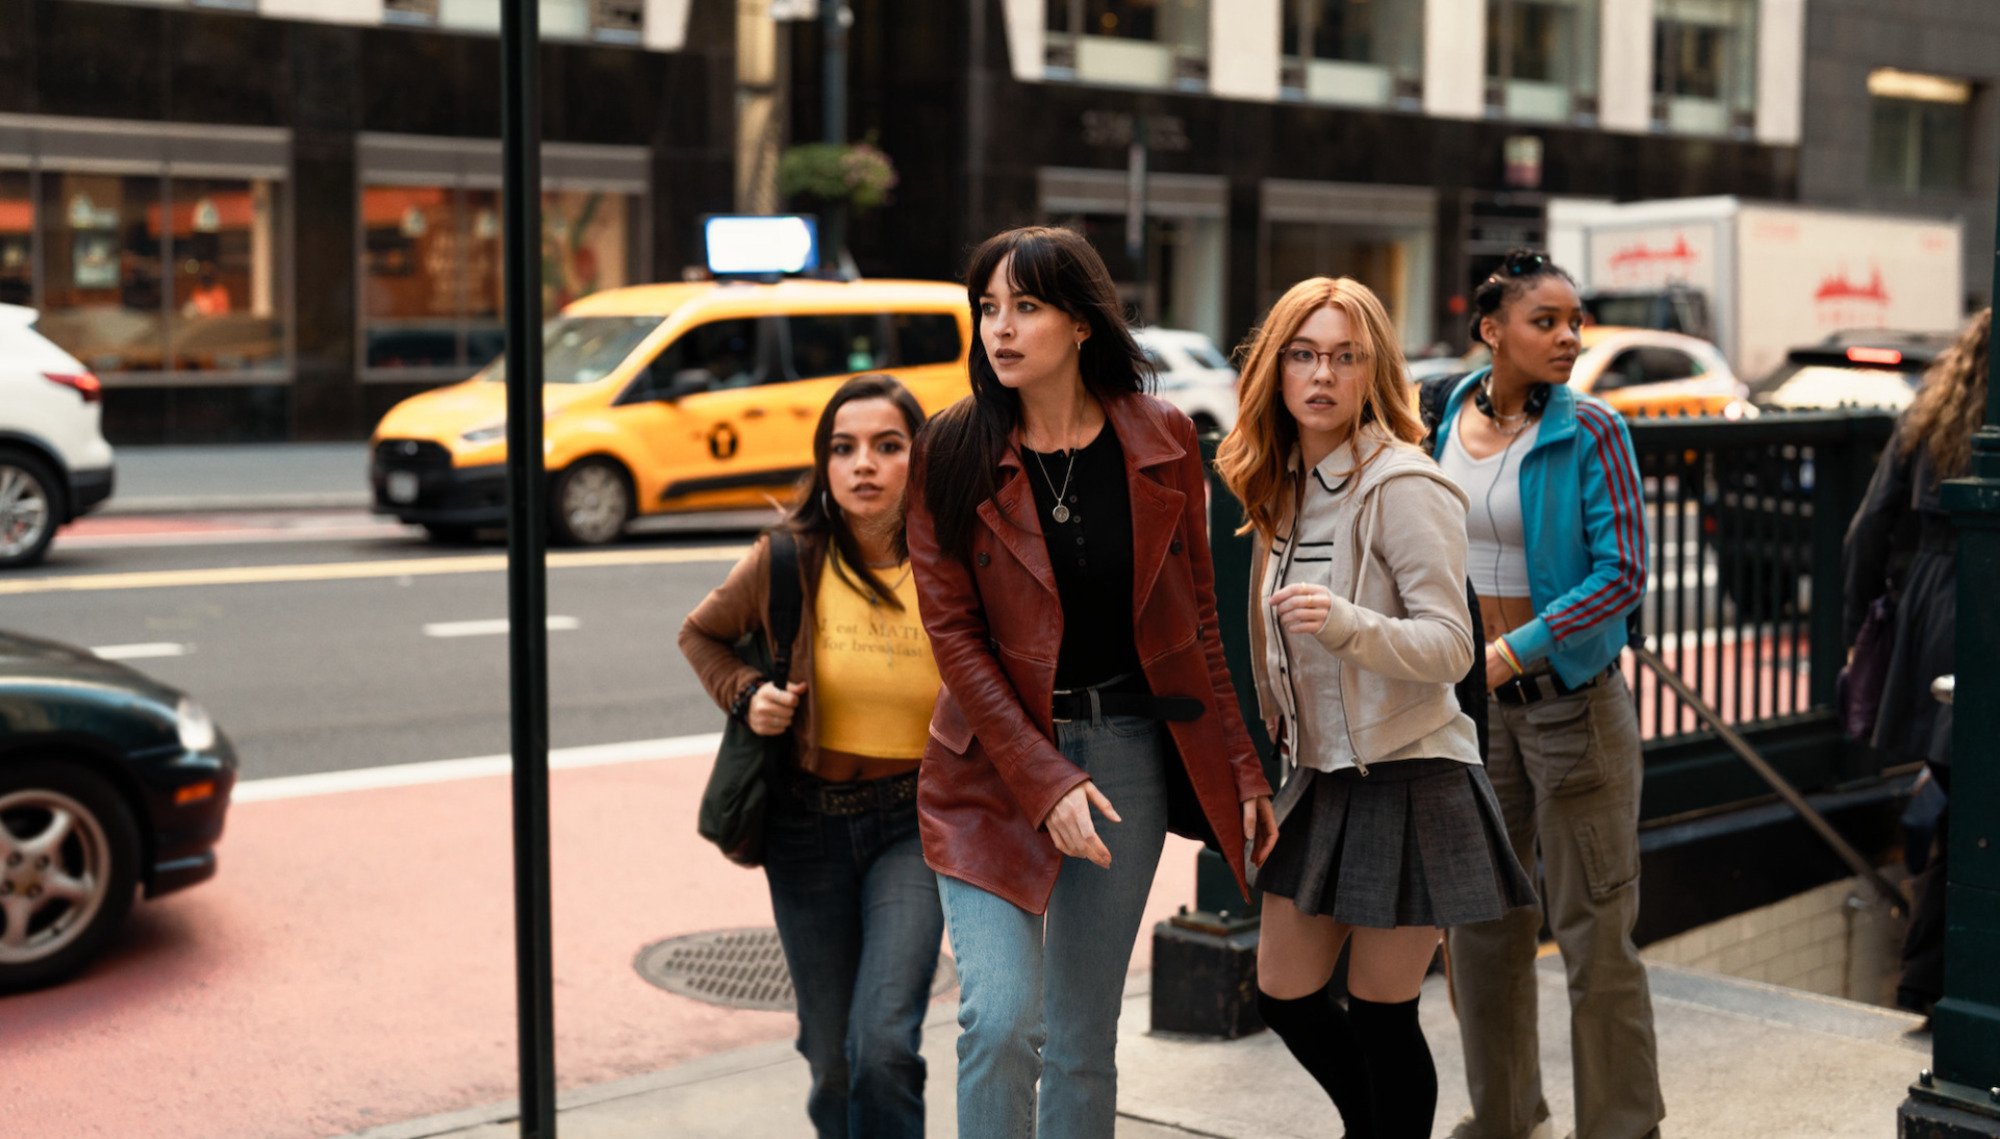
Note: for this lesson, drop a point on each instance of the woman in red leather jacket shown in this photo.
(1058, 536)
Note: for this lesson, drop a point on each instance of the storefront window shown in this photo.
(1702, 66)
(1135, 43)
(224, 238)
(433, 271)
(411, 276)
(104, 293)
(1363, 52)
(1541, 59)
(1392, 261)
(17, 239)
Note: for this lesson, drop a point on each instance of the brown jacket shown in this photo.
(741, 605)
(991, 773)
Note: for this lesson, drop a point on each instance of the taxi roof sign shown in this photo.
(762, 245)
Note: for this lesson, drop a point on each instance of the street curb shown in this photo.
(234, 504)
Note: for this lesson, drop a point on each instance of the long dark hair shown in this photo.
(814, 514)
(1518, 271)
(959, 454)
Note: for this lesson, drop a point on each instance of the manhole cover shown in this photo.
(738, 968)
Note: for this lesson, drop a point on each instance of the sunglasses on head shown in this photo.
(1520, 265)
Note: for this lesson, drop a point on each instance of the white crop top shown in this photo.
(1496, 549)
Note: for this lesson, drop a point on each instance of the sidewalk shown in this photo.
(1737, 1058)
(242, 476)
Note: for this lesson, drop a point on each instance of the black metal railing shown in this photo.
(1745, 521)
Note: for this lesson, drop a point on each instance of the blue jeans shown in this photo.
(1039, 997)
(858, 916)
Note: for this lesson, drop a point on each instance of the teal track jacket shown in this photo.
(1584, 518)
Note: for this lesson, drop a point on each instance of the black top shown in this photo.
(1091, 552)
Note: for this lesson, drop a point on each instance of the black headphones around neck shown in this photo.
(1538, 398)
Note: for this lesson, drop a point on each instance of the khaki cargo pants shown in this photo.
(1567, 773)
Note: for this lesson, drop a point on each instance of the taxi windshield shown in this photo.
(583, 349)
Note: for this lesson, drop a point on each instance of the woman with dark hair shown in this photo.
(1060, 542)
(1359, 632)
(1556, 551)
(1901, 543)
(856, 907)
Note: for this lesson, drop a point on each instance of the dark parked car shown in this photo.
(110, 783)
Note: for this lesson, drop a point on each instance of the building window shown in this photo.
(144, 274)
(1918, 131)
(417, 13)
(605, 21)
(431, 265)
(1131, 43)
(1703, 60)
(1541, 60)
(1360, 52)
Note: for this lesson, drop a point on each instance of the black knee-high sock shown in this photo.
(1321, 1039)
(1400, 1069)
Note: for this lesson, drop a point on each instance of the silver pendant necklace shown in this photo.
(1061, 512)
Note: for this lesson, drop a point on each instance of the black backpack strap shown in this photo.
(787, 603)
(1432, 395)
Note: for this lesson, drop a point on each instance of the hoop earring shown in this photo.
(826, 505)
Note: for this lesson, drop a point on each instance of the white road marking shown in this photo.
(475, 767)
(491, 627)
(147, 650)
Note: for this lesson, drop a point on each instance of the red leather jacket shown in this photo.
(991, 772)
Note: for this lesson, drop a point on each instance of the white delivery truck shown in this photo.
(1775, 276)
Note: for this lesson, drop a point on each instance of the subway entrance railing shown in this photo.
(1745, 524)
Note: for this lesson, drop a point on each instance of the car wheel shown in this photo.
(589, 504)
(69, 863)
(31, 508)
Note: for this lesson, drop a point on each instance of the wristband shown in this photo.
(1506, 652)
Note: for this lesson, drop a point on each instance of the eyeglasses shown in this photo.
(1301, 363)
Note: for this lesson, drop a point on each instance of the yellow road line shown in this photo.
(354, 571)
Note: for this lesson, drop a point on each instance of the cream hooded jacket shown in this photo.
(1375, 683)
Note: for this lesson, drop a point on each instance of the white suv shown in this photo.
(54, 462)
(1194, 375)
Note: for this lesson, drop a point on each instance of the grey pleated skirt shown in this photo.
(1413, 842)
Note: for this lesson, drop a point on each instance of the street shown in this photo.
(361, 644)
(353, 958)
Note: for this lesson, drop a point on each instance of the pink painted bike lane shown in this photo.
(352, 964)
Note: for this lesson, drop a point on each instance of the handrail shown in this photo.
(1845, 850)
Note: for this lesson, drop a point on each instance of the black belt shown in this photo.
(856, 798)
(1541, 686)
(1100, 700)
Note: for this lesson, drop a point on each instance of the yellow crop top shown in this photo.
(874, 681)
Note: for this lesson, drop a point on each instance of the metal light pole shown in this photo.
(1960, 1096)
(527, 567)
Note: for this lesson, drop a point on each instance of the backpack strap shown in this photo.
(1432, 395)
(787, 603)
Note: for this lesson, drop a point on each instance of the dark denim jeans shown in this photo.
(858, 915)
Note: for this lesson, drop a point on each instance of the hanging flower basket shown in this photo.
(857, 174)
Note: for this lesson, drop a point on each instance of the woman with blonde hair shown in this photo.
(1388, 829)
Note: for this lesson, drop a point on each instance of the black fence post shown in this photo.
(527, 567)
(1205, 958)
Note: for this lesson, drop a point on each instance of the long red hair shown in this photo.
(1252, 459)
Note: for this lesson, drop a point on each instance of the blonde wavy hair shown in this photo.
(1252, 459)
(1951, 404)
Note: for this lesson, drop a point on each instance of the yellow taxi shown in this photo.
(1645, 372)
(671, 397)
